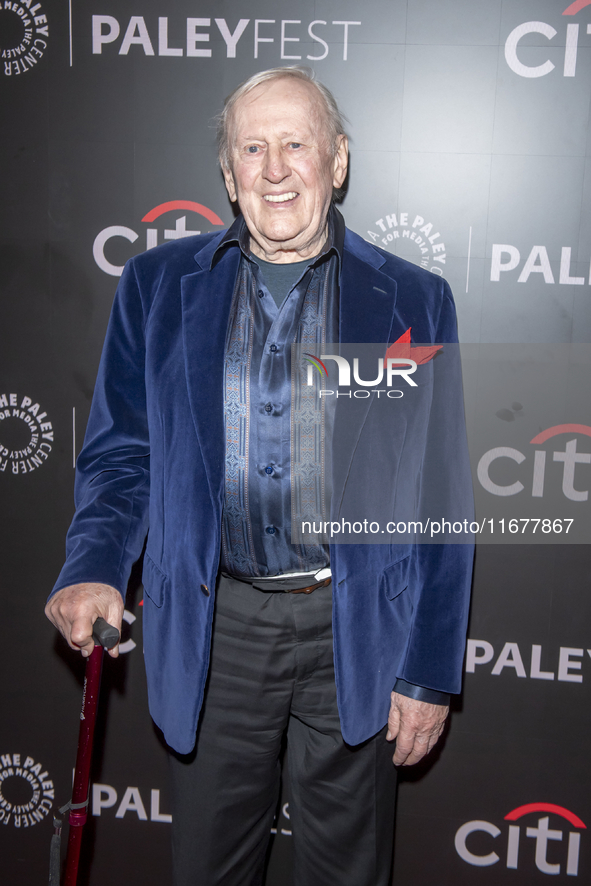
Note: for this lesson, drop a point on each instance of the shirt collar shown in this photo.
(238, 236)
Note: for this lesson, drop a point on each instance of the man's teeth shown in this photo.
(280, 198)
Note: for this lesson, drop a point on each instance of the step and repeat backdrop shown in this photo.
(470, 155)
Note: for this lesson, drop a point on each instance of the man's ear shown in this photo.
(341, 162)
(230, 185)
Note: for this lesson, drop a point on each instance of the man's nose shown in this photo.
(276, 167)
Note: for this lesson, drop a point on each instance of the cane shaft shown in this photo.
(78, 816)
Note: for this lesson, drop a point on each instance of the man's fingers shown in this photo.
(393, 724)
(416, 726)
(412, 747)
(85, 647)
(404, 747)
(77, 632)
(81, 635)
(74, 610)
(415, 746)
(115, 618)
(419, 750)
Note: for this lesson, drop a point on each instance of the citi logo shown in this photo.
(570, 35)
(152, 236)
(506, 258)
(548, 858)
(569, 457)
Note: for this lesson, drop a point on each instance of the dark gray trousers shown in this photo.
(272, 674)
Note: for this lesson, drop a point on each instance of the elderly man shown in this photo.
(192, 435)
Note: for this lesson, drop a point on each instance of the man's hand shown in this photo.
(416, 726)
(74, 610)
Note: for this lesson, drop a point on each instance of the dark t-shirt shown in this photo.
(280, 278)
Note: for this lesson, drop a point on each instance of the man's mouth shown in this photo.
(280, 198)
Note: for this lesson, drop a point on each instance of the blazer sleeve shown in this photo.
(113, 469)
(443, 572)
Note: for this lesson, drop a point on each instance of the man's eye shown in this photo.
(252, 149)
(295, 145)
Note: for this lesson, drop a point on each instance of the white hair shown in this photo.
(333, 119)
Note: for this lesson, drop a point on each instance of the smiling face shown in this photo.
(283, 169)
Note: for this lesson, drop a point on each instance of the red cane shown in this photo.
(104, 635)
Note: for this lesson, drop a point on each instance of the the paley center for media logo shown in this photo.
(27, 793)
(26, 434)
(24, 35)
(410, 234)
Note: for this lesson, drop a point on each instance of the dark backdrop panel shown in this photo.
(469, 120)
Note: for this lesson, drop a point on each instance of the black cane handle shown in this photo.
(105, 634)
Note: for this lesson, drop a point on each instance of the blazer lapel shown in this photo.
(367, 303)
(367, 315)
(206, 300)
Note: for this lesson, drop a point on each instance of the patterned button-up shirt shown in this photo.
(274, 436)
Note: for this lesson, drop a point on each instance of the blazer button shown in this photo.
(205, 590)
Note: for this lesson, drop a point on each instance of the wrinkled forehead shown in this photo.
(280, 106)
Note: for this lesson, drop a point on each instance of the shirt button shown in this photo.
(273, 348)
(261, 293)
(268, 407)
(205, 590)
(269, 469)
(270, 530)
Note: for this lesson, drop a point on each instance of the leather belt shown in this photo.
(284, 584)
(309, 589)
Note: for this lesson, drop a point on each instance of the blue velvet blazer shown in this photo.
(153, 464)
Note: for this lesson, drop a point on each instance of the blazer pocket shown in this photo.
(394, 578)
(155, 581)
